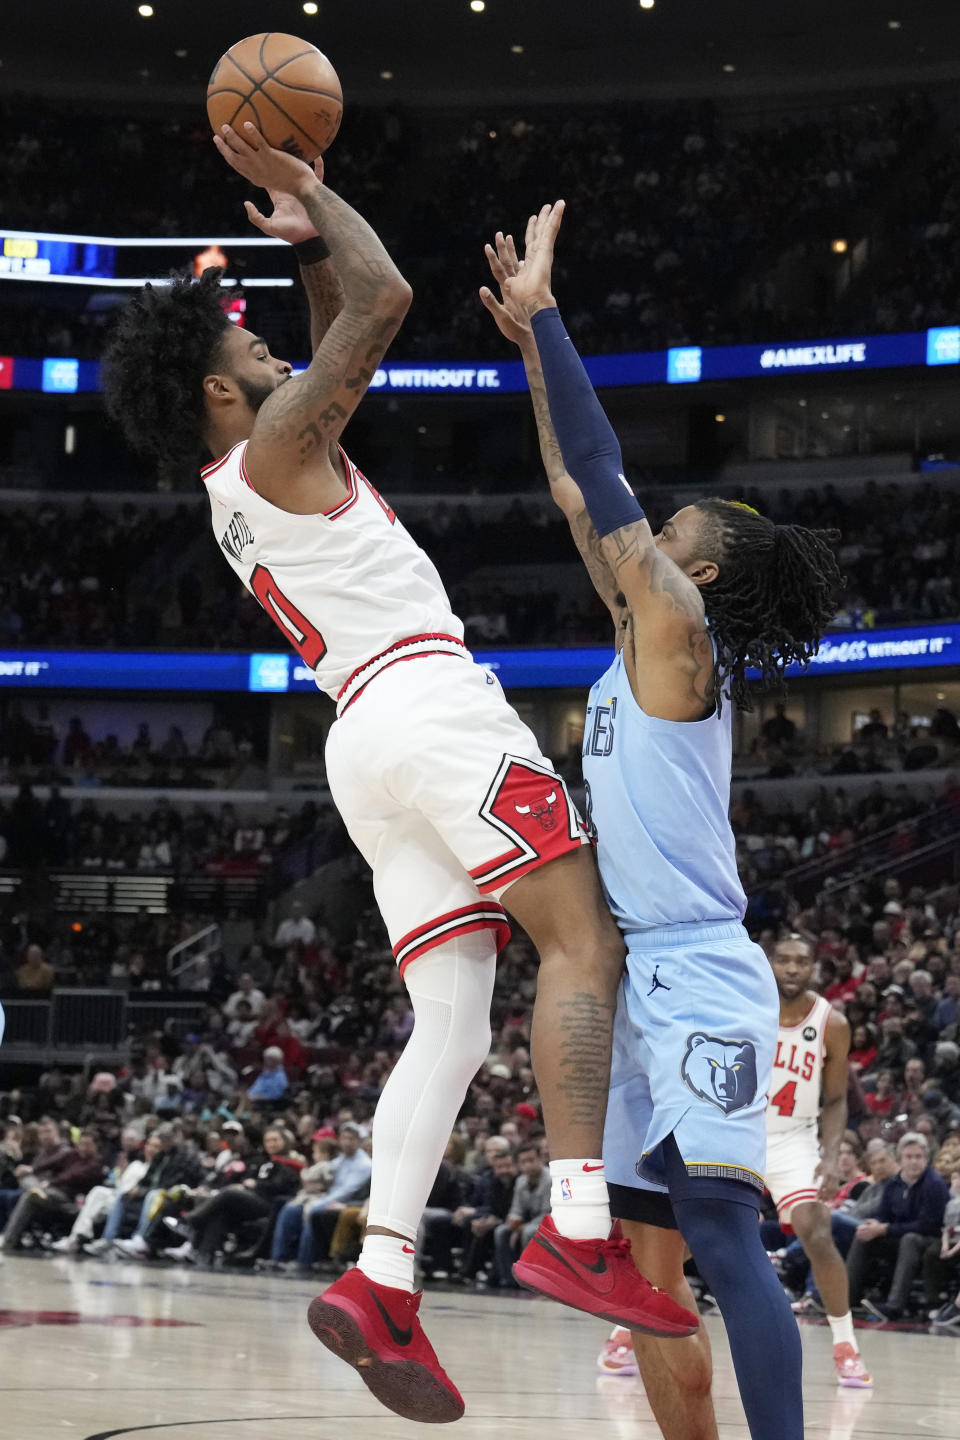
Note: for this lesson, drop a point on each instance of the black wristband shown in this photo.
(311, 252)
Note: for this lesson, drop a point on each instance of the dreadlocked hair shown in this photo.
(776, 591)
(160, 349)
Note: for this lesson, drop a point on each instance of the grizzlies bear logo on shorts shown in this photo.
(723, 1072)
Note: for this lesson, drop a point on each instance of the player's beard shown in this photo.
(254, 392)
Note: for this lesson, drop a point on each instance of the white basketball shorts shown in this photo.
(445, 793)
(792, 1158)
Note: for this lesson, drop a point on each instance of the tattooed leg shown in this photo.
(581, 961)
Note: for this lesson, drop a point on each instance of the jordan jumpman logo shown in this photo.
(657, 983)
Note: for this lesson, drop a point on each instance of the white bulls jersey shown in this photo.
(343, 585)
(795, 1085)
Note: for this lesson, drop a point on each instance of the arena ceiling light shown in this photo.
(145, 11)
(646, 4)
(478, 6)
(310, 8)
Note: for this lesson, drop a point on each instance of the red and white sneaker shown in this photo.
(376, 1329)
(617, 1357)
(850, 1368)
(599, 1277)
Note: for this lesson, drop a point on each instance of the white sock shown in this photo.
(388, 1259)
(579, 1202)
(841, 1327)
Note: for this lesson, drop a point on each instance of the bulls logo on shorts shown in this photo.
(529, 805)
(723, 1072)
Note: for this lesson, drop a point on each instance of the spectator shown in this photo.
(530, 1203)
(52, 1151)
(295, 1240)
(254, 1199)
(51, 1197)
(130, 1167)
(437, 1233)
(271, 1084)
(487, 1209)
(246, 992)
(296, 929)
(172, 1165)
(941, 1265)
(882, 1100)
(779, 729)
(35, 976)
(910, 1212)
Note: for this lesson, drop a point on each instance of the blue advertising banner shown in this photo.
(682, 365)
(844, 652)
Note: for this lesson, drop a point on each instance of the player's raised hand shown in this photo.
(511, 318)
(251, 156)
(530, 287)
(289, 220)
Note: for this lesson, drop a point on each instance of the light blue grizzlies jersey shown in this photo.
(658, 795)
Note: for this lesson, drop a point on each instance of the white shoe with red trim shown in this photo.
(851, 1371)
(617, 1357)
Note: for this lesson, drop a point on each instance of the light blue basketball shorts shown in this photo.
(693, 1044)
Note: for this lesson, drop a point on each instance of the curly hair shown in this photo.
(152, 373)
(776, 591)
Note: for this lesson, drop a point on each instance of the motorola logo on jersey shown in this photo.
(238, 535)
(809, 1032)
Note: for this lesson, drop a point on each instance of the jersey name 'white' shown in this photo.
(342, 585)
(795, 1085)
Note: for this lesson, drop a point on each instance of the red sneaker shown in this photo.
(376, 1329)
(599, 1277)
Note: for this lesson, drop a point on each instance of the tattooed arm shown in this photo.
(668, 648)
(288, 454)
(672, 652)
(513, 324)
(325, 297)
(289, 221)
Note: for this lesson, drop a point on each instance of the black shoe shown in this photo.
(878, 1311)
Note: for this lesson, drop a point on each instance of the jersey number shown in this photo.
(304, 637)
(785, 1100)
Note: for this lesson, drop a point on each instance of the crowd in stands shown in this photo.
(32, 744)
(773, 839)
(141, 577)
(38, 835)
(247, 1140)
(687, 224)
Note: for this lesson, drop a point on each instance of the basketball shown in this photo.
(284, 86)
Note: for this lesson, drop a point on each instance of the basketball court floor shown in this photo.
(96, 1351)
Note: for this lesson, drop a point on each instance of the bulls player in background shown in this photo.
(806, 1118)
(443, 789)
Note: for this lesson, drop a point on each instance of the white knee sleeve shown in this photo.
(450, 988)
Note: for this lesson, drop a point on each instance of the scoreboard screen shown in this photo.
(24, 257)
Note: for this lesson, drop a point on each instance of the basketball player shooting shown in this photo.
(809, 1083)
(442, 788)
(719, 589)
